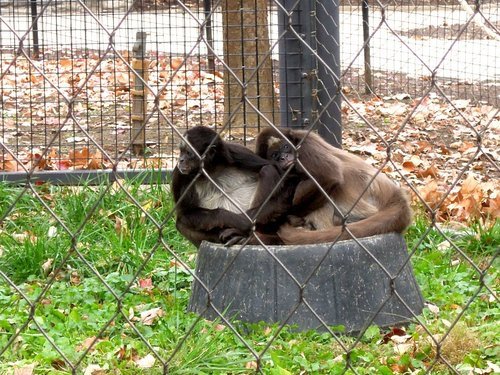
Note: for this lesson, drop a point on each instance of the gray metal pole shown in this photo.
(207, 7)
(366, 49)
(34, 16)
(329, 89)
(296, 65)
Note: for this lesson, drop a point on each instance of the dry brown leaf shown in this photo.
(120, 226)
(219, 327)
(176, 62)
(25, 370)
(85, 344)
(432, 171)
(96, 161)
(10, 166)
(79, 158)
(75, 278)
(430, 194)
(146, 283)
(252, 365)
(408, 166)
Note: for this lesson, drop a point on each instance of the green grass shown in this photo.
(86, 274)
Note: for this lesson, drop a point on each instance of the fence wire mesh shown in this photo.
(96, 279)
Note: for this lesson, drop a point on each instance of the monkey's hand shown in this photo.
(232, 236)
(295, 221)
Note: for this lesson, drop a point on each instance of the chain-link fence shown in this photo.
(97, 279)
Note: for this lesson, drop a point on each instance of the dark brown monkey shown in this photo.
(212, 192)
(368, 203)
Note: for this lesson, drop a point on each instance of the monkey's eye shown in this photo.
(275, 155)
(286, 147)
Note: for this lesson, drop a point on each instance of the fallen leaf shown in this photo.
(176, 62)
(443, 246)
(429, 172)
(409, 166)
(432, 308)
(25, 370)
(94, 370)
(146, 283)
(47, 266)
(252, 365)
(219, 327)
(76, 139)
(149, 316)
(79, 157)
(120, 226)
(469, 185)
(52, 232)
(400, 339)
(75, 278)
(146, 362)
(402, 348)
(85, 344)
(395, 331)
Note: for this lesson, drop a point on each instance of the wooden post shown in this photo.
(139, 95)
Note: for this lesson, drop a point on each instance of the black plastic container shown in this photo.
(353, 286)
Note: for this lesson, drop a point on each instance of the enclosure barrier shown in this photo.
(95, 277)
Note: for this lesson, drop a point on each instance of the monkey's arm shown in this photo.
(242, 157)
(271, 199)
(190, 214)
(197, 236)
(205, 219)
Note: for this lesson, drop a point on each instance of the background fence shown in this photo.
(83, 52)
(108, 85)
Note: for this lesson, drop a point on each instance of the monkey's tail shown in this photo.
(395, 217)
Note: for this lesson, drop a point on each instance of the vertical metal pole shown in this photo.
(295, 64)
(366, 49)
(208, 30)
(34, 15)
(329, 90)
(139, 94)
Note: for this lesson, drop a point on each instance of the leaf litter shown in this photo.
(445, 150)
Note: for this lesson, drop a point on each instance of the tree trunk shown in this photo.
(248, 83)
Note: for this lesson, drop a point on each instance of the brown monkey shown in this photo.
(243, 181)
(354, 200)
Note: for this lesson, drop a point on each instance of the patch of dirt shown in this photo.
(393, 83)
(450, 32)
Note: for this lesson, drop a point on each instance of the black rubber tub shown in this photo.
(352, 286)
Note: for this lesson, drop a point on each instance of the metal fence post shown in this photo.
(296, 64)
(366, 48)
(34, 16)
(329, 89)
(308, 88)
(207, 8)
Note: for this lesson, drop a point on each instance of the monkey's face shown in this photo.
(205, 141)
(188, 161)
(282, 153)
